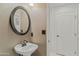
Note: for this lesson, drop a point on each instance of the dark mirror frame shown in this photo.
(12, 20)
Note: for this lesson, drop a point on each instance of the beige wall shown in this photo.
(8, 39)
(39, 17)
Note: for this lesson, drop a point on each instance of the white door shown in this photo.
(66, 31)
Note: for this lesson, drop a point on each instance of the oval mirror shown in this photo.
(20, 20)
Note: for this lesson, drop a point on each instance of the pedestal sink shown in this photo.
(26, 50)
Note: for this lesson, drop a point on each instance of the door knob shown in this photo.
(57, 35)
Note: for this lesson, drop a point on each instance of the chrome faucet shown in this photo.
(24, 43)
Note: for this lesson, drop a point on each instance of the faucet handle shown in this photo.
(25, 41)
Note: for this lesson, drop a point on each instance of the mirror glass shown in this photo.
(20, 20)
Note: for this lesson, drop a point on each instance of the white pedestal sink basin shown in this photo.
(26, 50)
